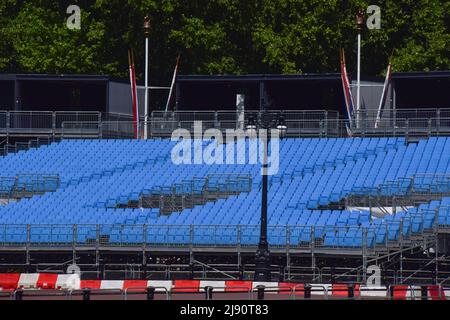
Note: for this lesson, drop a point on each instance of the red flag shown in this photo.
(134, 93)
(346, 86)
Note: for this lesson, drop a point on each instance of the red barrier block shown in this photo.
(288, 288)
(357, 286)
(90, 284)
(47, 281)
(186, 286)
(400, 292)
(9, 280)
(238, 286)
(141, 284)
(340, 290)
(433, 292)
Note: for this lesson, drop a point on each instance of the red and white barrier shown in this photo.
(73, 282)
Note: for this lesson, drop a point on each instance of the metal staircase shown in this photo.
(27, 186)
(192, 193)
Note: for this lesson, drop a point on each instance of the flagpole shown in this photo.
(383, 95)
(173, 83)
(134, 93)
(146, 34)
(130, 63)
(359, 24)
(358, 94)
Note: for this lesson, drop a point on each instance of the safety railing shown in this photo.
(99, 130)
(42, 122)
(233, 116)
(190, 193)
(81, 130)
(21, 146)
(420, 113)
(443, 217)
(380, 235)
(22, 186)
(162, 124)
(261, 292)
(3, 121)
(150, 292)
(419, 188)
(62, 117)
(295, 129)
(113, 117)
(30, 122)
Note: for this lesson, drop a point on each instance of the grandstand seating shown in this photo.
(98, 176)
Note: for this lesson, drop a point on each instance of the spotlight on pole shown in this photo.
(360, 19)
(147, 27)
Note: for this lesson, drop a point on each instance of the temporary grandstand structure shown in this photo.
(104, 183)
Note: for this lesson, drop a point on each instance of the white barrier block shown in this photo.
(373, 292)
(160, 284)
(28, 281)
(319, 289)
(447, 293)
(414, 293)
(269, 285)
(214, 284)
(68, 282)
(111, 285)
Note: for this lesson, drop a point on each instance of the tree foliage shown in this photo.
(222, 36)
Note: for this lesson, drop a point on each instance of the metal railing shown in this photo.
(418, 184)
(295, 129)
(162, 124)
(234, 116)
(419, 113)
(401, 193)
(22, 186)
(288, 291)
(21, 146)
(191, 193)
(378, 236)
(99, 130)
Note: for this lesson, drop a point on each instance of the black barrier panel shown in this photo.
(18, 294)
(150, 293)
(307, 291)
(260, 290)
(209, 293)
(351, 291)
(87, 294)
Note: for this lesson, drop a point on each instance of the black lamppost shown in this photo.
(267, 121)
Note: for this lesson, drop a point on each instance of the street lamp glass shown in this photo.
(251, 127)
(282, 127)
(282, 130)
(251, 124)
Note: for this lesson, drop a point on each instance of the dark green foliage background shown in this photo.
(221, 36)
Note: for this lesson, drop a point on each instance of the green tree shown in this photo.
(42, 42)
(222, 36)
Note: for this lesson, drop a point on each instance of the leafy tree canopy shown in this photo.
(221, 36)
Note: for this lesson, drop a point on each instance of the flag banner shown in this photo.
(134, 93)
(346, 86)
(348, 96)
(387, 83)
